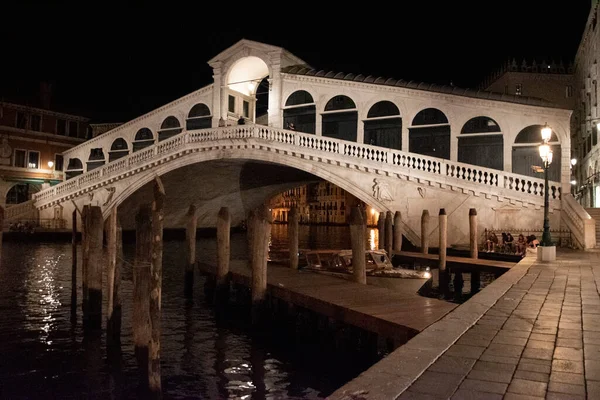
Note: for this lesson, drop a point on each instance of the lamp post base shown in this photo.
(546, 253)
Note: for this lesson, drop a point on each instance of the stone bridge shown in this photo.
(243, 166)
(396, 145)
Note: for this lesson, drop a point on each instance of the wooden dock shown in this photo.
(459, 263)
(398, 314)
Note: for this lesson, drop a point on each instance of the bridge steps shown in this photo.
(595, 213)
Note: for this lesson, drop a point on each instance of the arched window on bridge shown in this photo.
(526, 158)
(118, 149)
(74, 168)
(143, 138)
(169, 128)
(20, 193)
(383, 126)
(300, 110)
(199, 117)
(96, 159)
(430, 134)
(340, 118)
(481, 143)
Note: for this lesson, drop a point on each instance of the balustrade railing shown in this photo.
(390, 159)
(17, 210)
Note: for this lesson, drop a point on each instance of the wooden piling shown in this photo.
(223, 255)
(358, 239)
(74, 267)
(443, 242)
(250, 235)
(425, 232)
(85, 256)
(473, 233)
(293, 237)
(398, 231)
(155, 293)
(260, 252)
(117, 302)
(111, 244)
(1, 224)
(475, 282)
(190, 239)
(141, 288)
(458, 284)
(381, 230)
(389, 232)
(94, 230)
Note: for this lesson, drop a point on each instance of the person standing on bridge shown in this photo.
(241, 121)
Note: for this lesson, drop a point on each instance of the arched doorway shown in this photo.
(300, 112)
(526, 156)
(246, 84)
(430, 134)
(481, 143)
(383, 126)
(340, 118)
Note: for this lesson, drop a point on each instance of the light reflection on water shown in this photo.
(44, 356)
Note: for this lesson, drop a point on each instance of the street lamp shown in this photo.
(546, 155)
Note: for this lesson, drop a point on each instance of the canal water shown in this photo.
(43, 355)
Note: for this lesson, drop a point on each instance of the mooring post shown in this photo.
(223, 255)
(473, 233)
(250, 235)
(443, 271)
(475, 282)
(141, 289)
(85, 256)
(1, 224)
(458, 285)
(398, 231)
(380, 230)
(111, 244)
(94, 231)
(389, 233)
(117, 303)
(190, 238)
(260, 253)
(358, 239)
(155, 293)
(424, 232)
(74, 267)
(293, 236)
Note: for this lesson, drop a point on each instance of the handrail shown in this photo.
(581, 224)
(508, 183)
(16, 210)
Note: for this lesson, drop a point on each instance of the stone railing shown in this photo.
(26, 209)
(439, 170)
(581, 224)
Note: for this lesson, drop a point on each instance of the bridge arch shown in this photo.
(169, 128)
(481, 142)
(119, 148)
(300, 112)
(383, 125)
(314, 168)
(74, 168)
(526, 157)
(199, 117)
(340, 118)
(429, 134)
(96, 158)
(143, 138)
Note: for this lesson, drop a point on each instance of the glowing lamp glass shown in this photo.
(546, 133)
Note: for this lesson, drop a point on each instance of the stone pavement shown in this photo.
(534, 333)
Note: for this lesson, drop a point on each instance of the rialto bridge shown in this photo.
(396, 145)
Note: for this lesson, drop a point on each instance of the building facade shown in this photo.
(32, 142)
(586, 115)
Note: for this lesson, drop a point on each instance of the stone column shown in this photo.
(190, 238)
(425, 232)
(357, 237)
(111, 244)
(381, 230)
(443, 271)
(73, 267)
(94, 225)
(293, 237)
(250, 235)
(398, 231)
(223, 255)
(389, 233)
(260, 254)
(155, 293)
(473, 245)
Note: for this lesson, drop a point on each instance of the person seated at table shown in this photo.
(521, 244)
(492, 242)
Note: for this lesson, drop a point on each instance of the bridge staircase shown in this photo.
(595, 213)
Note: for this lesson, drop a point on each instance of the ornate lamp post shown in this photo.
(546, 155)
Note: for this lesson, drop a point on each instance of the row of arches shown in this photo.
(481, 141)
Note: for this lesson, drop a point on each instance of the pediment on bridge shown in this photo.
(247, 48)
(508, 208)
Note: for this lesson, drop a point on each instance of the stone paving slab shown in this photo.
(534, 333)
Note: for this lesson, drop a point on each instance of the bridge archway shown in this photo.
(169, 128)
(96, 158)
(245, 80)
(526, 157)
(340, 118)
(383, 126)
(143, 138)
(199, 117)
(429, 134)
(300, 112)
(118, 149)
(481, 143)
(74, 168)
(20, 192)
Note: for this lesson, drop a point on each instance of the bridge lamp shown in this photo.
(573, 162)
(546, 155)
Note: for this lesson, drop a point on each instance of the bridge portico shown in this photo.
(394, 144)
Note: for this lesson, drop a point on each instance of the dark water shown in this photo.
(42, 355)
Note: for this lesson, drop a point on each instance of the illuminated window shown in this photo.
(33, 159)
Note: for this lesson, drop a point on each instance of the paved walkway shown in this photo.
(539, 339)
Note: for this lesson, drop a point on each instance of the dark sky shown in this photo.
(113, 62)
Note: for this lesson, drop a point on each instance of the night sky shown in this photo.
(113, 62)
